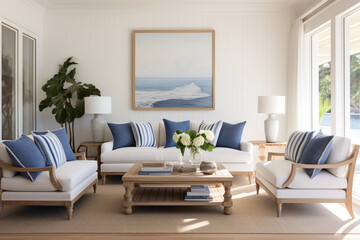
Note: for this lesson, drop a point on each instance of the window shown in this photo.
(352, 73)
(28, 84)
(9, 60)
(321, 79)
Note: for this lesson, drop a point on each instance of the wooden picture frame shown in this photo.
(173, 70)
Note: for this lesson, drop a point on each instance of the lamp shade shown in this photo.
(271, 104)
(97, 105)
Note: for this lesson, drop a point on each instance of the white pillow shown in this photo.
(340, 152)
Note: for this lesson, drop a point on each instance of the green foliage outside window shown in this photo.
(324, 89)
(325, 86)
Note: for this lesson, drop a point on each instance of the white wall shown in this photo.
(251, 57)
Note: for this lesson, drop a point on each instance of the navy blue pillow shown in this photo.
(317, 151)
(61, 134)
(230, 135)
(122, 134)
(170, 129)
(24, 153)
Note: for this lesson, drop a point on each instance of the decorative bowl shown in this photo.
(208, 167)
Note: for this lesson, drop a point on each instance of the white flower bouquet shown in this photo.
(194, 141)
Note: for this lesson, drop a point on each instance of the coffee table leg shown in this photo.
(227, 198)
(128, 197)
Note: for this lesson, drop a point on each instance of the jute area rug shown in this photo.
(102, 213)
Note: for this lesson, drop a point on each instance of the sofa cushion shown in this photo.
(5, 158)
(296, 145)
(122, 135)
(61, 134)
(69, 175)
(316, 152)
(227, 155)
(340, 152)
(131, 155)
(220, 155)
(143, 134)
(230, 135)
(171, 127)
(24, 153)
(289, 193)
(277, 172)
(162, 138)
(51, 148)
(214, 127)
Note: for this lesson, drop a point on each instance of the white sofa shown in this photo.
(62, 186)
(119, 161)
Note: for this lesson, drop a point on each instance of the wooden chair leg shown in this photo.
(103, 178)
(95, 187)
(349, 208)
(278, 207)
(69, 208)
(250, 176)
(257, 187)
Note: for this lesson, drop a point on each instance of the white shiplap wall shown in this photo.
(251, 56)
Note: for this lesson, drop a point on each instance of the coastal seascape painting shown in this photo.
(173, 70)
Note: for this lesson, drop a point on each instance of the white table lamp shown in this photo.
(98, 105)
(271, 105)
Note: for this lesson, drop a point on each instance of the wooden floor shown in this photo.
(179, 236)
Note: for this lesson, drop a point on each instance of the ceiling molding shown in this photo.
(36, 5)
(243, 6)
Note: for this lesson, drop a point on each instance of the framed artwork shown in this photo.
(173, 69)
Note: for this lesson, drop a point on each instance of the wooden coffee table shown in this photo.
(169, 190)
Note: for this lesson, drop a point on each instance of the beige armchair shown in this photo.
(287, 182)
(53, 187)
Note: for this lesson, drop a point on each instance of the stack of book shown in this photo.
(200, 193)
(155, 170)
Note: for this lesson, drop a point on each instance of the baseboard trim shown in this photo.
(175, 236)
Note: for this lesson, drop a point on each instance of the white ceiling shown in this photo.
(298, 6)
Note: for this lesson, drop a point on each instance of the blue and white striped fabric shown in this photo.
(143, 134)
(296, 145)
(214, 127)
(51, 148)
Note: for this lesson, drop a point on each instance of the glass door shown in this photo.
(28, 84)
(9, 70)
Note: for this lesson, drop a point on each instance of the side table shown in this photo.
(262, 144)
(86, 145)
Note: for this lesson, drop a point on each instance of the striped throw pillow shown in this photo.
(51, 148)
(143, 134)
(214, 127)
(296, 145)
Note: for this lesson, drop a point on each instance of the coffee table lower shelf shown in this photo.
(172, 196)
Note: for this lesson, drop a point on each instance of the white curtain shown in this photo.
(298, 99)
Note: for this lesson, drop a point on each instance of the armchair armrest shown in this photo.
(80, 155)
(294, 166)
(246, 147)
(271, 154)
(51, 171)
(107, 147)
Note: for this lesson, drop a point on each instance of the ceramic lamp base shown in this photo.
(98, 128)
(271, 125)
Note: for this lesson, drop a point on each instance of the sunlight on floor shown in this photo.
(186, 220)
(192, 226)
(338, 210)
(243, 187)
(242, 195)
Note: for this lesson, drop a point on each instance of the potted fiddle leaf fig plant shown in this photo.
(66, 96)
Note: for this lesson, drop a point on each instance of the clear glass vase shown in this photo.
(195, 156)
